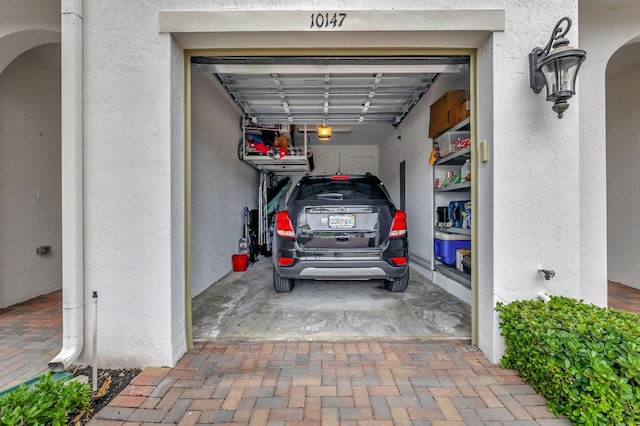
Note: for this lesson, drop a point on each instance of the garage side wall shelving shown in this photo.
(448, 190)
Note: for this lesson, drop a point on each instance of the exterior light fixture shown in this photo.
(556, 66)
(324, 132)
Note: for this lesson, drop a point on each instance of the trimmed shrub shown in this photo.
(585, 360)
(48, 402)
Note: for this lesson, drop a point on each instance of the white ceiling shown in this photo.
(334, 90)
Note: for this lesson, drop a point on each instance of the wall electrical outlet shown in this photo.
(42, 250)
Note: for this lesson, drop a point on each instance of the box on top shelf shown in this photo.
(449, 110)
(461, 254)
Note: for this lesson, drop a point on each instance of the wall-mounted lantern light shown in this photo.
(557, 69)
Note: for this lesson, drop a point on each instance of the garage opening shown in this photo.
(256, 129)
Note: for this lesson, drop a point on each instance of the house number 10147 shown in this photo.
(327, 20)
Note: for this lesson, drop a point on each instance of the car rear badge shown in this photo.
(324, 221)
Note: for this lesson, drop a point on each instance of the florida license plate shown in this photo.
(342, 221)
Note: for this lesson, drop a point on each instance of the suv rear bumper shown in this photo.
(340, 270)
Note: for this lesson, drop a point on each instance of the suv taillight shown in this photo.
(399, 225)
(284, 228)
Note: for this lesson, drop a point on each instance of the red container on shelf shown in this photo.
(240, 262)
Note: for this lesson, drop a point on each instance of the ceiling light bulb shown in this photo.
(324, 132)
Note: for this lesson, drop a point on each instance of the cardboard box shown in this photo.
(460, 255)
(466, 264)
(460, 112)
(449, 110)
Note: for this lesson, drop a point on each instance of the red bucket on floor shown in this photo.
(240, 262)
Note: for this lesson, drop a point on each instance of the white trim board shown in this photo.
(333, 21)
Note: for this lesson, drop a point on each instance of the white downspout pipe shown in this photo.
(72, 188)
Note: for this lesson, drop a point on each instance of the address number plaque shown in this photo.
(327, 20)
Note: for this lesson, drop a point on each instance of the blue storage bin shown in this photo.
(445, 246)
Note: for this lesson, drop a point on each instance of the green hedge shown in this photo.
(47, 402)
(585, 360)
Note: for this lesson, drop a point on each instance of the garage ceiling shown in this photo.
(333, 90)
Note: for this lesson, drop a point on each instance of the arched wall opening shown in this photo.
(623, 161)
(30, 212)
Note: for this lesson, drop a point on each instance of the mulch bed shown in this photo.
(110, 383)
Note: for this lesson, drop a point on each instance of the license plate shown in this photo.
(342, 221)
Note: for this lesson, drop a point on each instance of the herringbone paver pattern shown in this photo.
(30, 337)
(326, 383)
(624, 298)
(296, 382)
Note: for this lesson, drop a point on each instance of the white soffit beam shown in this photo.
(333, 21)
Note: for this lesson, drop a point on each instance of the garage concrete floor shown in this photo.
(244, 306)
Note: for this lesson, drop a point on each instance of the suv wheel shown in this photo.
(282, 285)
(399, 284)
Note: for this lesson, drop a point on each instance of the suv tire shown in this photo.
(398, 285)
(282, 285)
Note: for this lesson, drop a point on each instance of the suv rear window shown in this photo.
(366, 188)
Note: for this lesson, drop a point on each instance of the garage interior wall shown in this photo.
(30, 214)
(623, 180)
(331, 158)
(222, 185)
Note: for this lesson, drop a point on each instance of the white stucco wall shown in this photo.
(180, 303)
(623, 180)
(603, 30)
(484, 207)
(131, 113)
(541, 204)
(30, 214)
(134, 185)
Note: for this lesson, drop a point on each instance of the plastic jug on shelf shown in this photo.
(465, 171)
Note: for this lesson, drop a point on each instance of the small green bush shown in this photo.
(585, 360)
(48, 402)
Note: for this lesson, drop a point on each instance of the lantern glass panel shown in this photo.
(560, 75)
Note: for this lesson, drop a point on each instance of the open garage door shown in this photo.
(369, 102)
